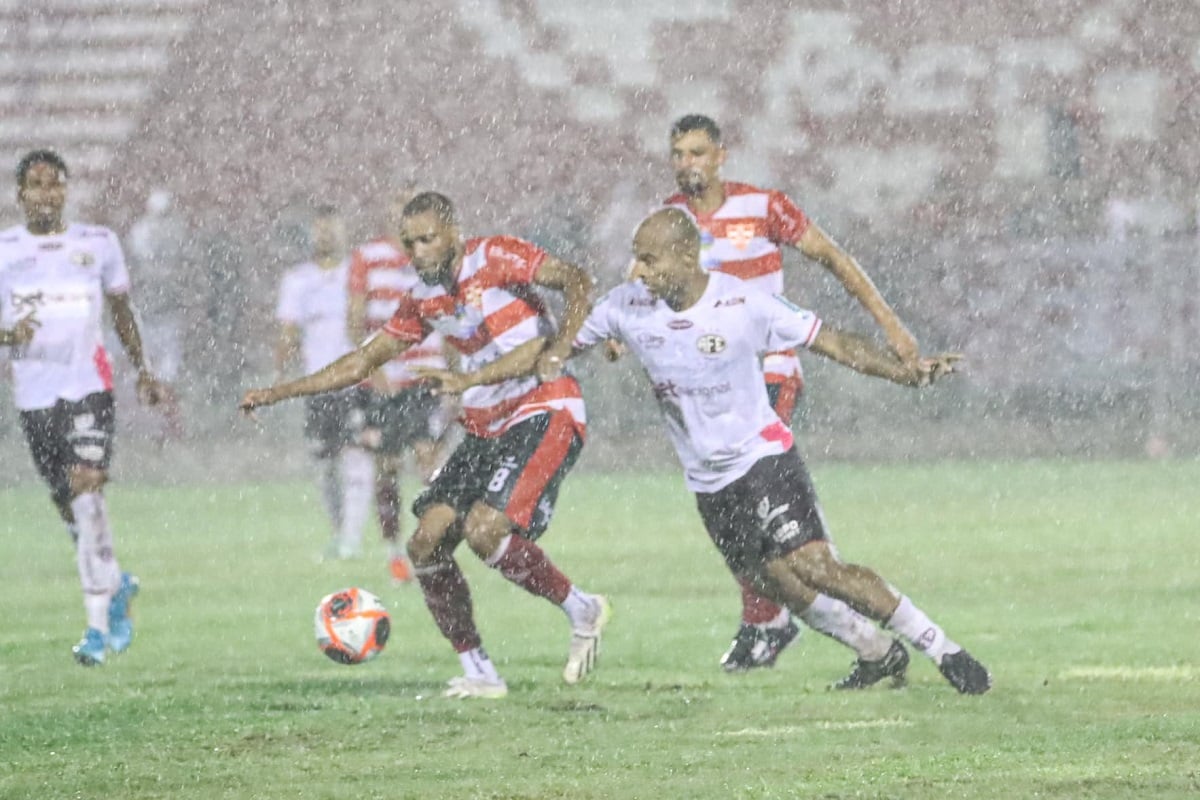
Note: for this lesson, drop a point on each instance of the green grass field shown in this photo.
(1078, 585)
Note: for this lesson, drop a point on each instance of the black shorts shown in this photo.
(70, 433)
(402, 419)
(767, 513)
(518, 473)
(334, 420)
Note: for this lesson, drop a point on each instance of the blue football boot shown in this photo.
(120, 626)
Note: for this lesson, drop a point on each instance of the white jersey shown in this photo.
(314, 300)
(62, 279)
(705, 364)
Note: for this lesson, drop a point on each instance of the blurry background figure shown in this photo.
(158, 252)
(312, 322)
(404, 414)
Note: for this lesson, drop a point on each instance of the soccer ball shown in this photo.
(352, 626)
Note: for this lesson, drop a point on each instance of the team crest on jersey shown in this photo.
(740, 234)
(82, 258)
(473, 296)
(710, 344)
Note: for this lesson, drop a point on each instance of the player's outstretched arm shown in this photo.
(576, 286)
(817, 245)
(862, 355)
(517, 363)
(352, 368)
(149, 390)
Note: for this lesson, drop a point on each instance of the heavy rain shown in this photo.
(935, 263)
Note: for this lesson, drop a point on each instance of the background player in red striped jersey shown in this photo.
(524, 433)
(55, 281)
(311, 312)
(404, 413)
(742, 229)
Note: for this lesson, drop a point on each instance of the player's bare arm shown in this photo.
(517, 363)
(862, 355)
(352, 368)
(149, 390)
(21, 333)
(576, 286)
(287, 347)
(817, 245)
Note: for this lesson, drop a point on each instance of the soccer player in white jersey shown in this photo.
(523, 432)
(404, 412)
(742, 231)
(700, 336)
(312, 321)
(55, 281)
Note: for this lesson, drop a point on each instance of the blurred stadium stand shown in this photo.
(1020, 180)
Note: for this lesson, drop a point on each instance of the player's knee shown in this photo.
(816, 565)
(431, 537)
(485, 528)
(86, 479)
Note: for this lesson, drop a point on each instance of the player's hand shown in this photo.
(550, 365)
(444, 381)
(150, 390)
(932, 368)
(22, 333)
(613, 349)
(256, 398)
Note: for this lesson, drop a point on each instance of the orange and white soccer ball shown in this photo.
(352, 626)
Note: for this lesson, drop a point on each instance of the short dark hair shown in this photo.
(40, 157)
(696, 122)
(430, 201)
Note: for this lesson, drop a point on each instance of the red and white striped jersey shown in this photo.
(492, 310)
(380, 273)
(62, 279)
(742, 238)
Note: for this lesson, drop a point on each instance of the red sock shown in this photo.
(526, 565)
(387, 504)
(449, 601)
(756, 609)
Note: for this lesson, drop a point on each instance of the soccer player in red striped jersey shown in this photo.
(742, 230)
(404, 412)
(524, 419)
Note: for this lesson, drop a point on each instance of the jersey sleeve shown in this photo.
(114, 273)
(515, 261)
(288, 308)
(600, 323)
(356, 283)
(785, 324)
(406, 323)
(785, 221)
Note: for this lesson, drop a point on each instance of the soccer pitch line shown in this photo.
(1177, 674)
(822, 725)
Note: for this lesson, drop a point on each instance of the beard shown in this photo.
(691, 182)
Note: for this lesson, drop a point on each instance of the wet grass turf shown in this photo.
(1078, 584)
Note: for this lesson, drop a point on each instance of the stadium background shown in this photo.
(1022, 187)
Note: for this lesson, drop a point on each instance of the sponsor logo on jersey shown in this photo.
(671, 389)
(50, 246)
(82, 258)
(740, 234)
(730, 301)
(679, 324)
(650, 341)
(710, 344)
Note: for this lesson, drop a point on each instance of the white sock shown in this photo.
(358, 492)
(331, 491)
(911, 623)
(579, 605)
(841, 622)
(780, 621)
(99, 572)
(477, 666)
